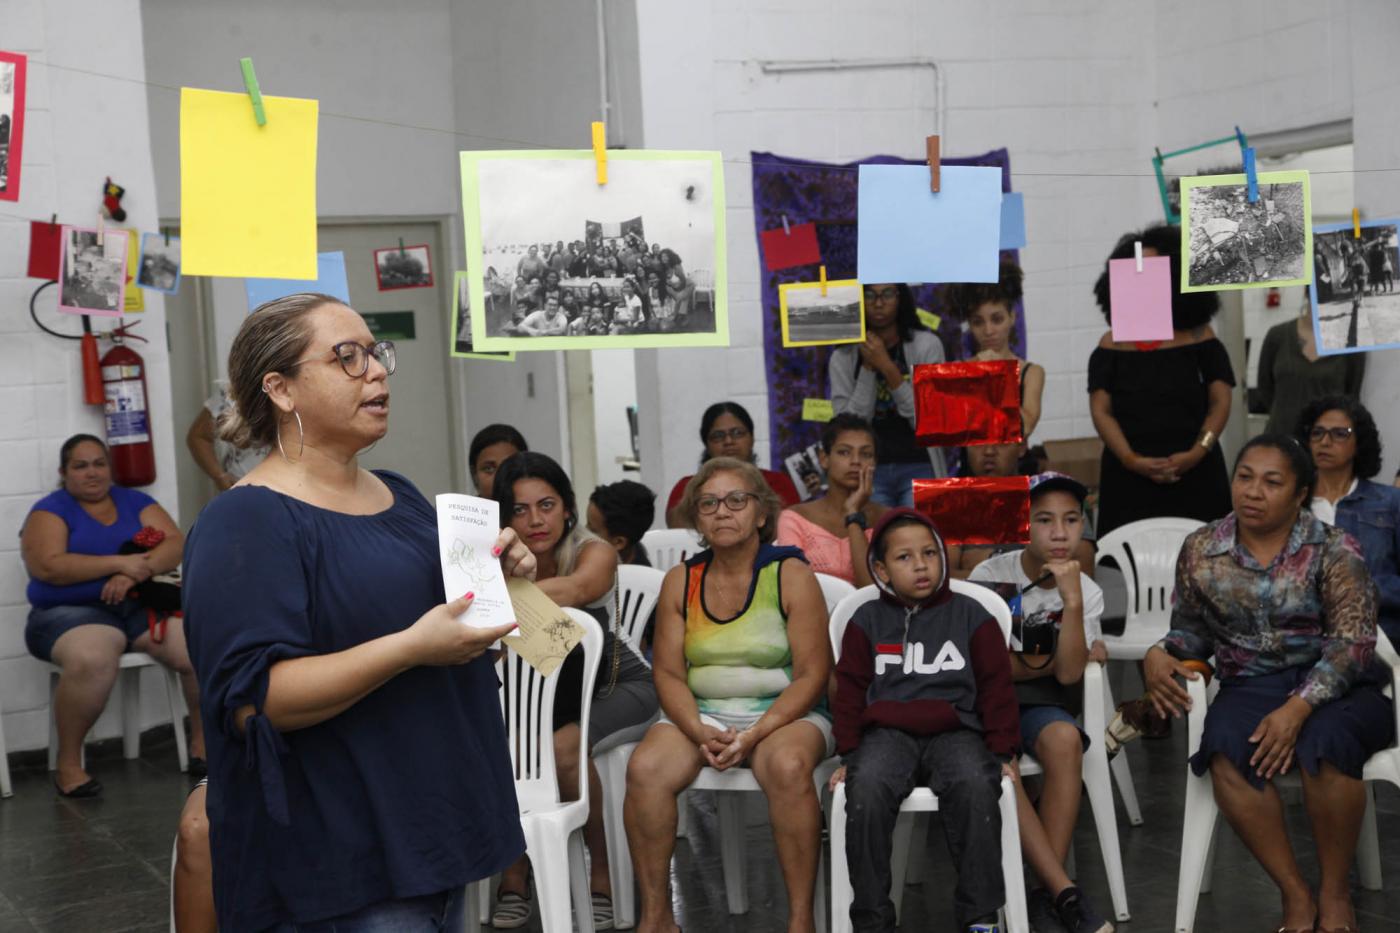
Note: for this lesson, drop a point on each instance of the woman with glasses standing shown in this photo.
(874, 380)
(740, 660)
(1346, 447)
(359, 774)
(726, 430)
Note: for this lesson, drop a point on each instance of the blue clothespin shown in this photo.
(1251, 179)
(1239, 135)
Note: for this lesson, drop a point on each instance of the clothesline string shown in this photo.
(528, 144)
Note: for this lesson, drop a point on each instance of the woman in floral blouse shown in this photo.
(1287, 609)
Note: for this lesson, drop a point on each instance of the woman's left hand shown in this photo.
(116, 588)
(861, 494)
(516, 559)
(735, 752)
(1276, 737)
(1185, 461)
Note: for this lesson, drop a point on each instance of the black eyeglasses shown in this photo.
(733, 434)
(354, 357)
(884, 294)
(735, 502)
(1337, 434)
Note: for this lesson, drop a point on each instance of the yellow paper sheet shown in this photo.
(546, 633)
(817, 409)
(135, 299)
(247, 192)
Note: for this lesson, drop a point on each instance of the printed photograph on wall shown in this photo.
(403, 267)
(563, 262)
(1354, 303)
(1230, 242)
(92, 279)
(805, 469)
(810, 318)
(160, 263)
(12, 77)
(462, 323)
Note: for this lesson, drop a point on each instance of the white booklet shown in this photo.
(467, 530)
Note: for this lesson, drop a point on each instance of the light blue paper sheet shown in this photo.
(906, 233)
(330, 280)
(1013, 220)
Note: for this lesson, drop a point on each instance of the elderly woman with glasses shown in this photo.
(741, 661)
(874, 380)
(726, 430)
(359, 775)
(1345, 445)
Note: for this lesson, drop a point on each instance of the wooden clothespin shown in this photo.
(931, 147)
(101, 227)
(821, 271)
(1137, 254)
(53, 220)
(787, 231)
(600, 151)
(1250, 177)
(250, 81)
(1356, 222)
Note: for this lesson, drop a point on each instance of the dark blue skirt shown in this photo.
(1343, 733)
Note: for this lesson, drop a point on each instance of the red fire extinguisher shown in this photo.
(127, 410)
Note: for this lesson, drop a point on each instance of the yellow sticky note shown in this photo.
(930, 320)
(135, 297)
(247, 192)
(817, 409)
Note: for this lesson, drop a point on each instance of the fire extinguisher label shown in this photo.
(126, 413)
(115, 373)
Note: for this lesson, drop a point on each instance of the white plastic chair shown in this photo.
(6, 789)
(1198, 825)
(667, 547)
(553, 828)
(638, 589)
(922, 800)
(130, 667)
(834, 589)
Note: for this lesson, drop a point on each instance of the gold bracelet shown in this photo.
(1206, 440)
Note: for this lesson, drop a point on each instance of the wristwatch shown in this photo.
(857, 518)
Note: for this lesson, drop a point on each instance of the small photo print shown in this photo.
(160, 263)
(1230, 242)
(462, 322)
(92, 279)
(810, 318)
(805, 468)
(1355, 305)
(12, 71)
(403, 267)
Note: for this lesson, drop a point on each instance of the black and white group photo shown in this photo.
(12, 70)
(462, 322)
(568, 263)
(811, 318)
(1355, 303)
(403, 267)
(92, 279)
(160, 263)
(1233, 242)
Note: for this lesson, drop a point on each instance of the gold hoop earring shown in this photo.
(301, 433)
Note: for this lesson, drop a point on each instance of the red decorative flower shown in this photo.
(148, 537)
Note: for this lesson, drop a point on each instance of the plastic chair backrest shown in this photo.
(638, 589)
(667, 547)
(1386, 652)
(989, 600)
(527, 703)
(834, 589)
(1146, 552)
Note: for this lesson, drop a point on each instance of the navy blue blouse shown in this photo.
(407, 792)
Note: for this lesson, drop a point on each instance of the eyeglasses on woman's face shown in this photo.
(733, 434)
(887, 295)
(354, 357)
(733, 501)
(1338, 434)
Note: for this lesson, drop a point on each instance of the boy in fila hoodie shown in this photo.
(923, 697)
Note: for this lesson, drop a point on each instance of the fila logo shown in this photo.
(948, 659)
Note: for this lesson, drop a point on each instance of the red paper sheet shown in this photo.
(977, 510)
(970, 403)
(796, 246)
(45, 244)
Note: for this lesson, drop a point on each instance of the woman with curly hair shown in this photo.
(1160, 406)
(1346, 447)
(989, 311)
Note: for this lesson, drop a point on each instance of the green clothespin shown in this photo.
(401, 249)
(250, 80)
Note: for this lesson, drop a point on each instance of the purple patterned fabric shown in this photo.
(825, 194)
(1313, 608)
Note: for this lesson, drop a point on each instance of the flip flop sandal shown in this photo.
(512, 911)
(602, 912)
(92, 787)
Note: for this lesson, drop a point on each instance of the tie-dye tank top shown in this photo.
(737, 668)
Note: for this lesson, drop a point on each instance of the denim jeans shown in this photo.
(429, 913)
(886, 766)
(1371, 515)
(894, 482)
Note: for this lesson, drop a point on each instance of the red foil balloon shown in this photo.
(968, 403)
(977, 510)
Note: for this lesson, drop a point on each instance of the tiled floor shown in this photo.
(101, 866)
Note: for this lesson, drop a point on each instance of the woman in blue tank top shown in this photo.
(83, 591)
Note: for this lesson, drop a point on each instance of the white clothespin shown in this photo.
(787, 231)
(1137, 254)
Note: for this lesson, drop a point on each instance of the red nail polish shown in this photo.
(496, 551)
(470, 596)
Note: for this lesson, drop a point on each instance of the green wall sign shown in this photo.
(391, 325)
